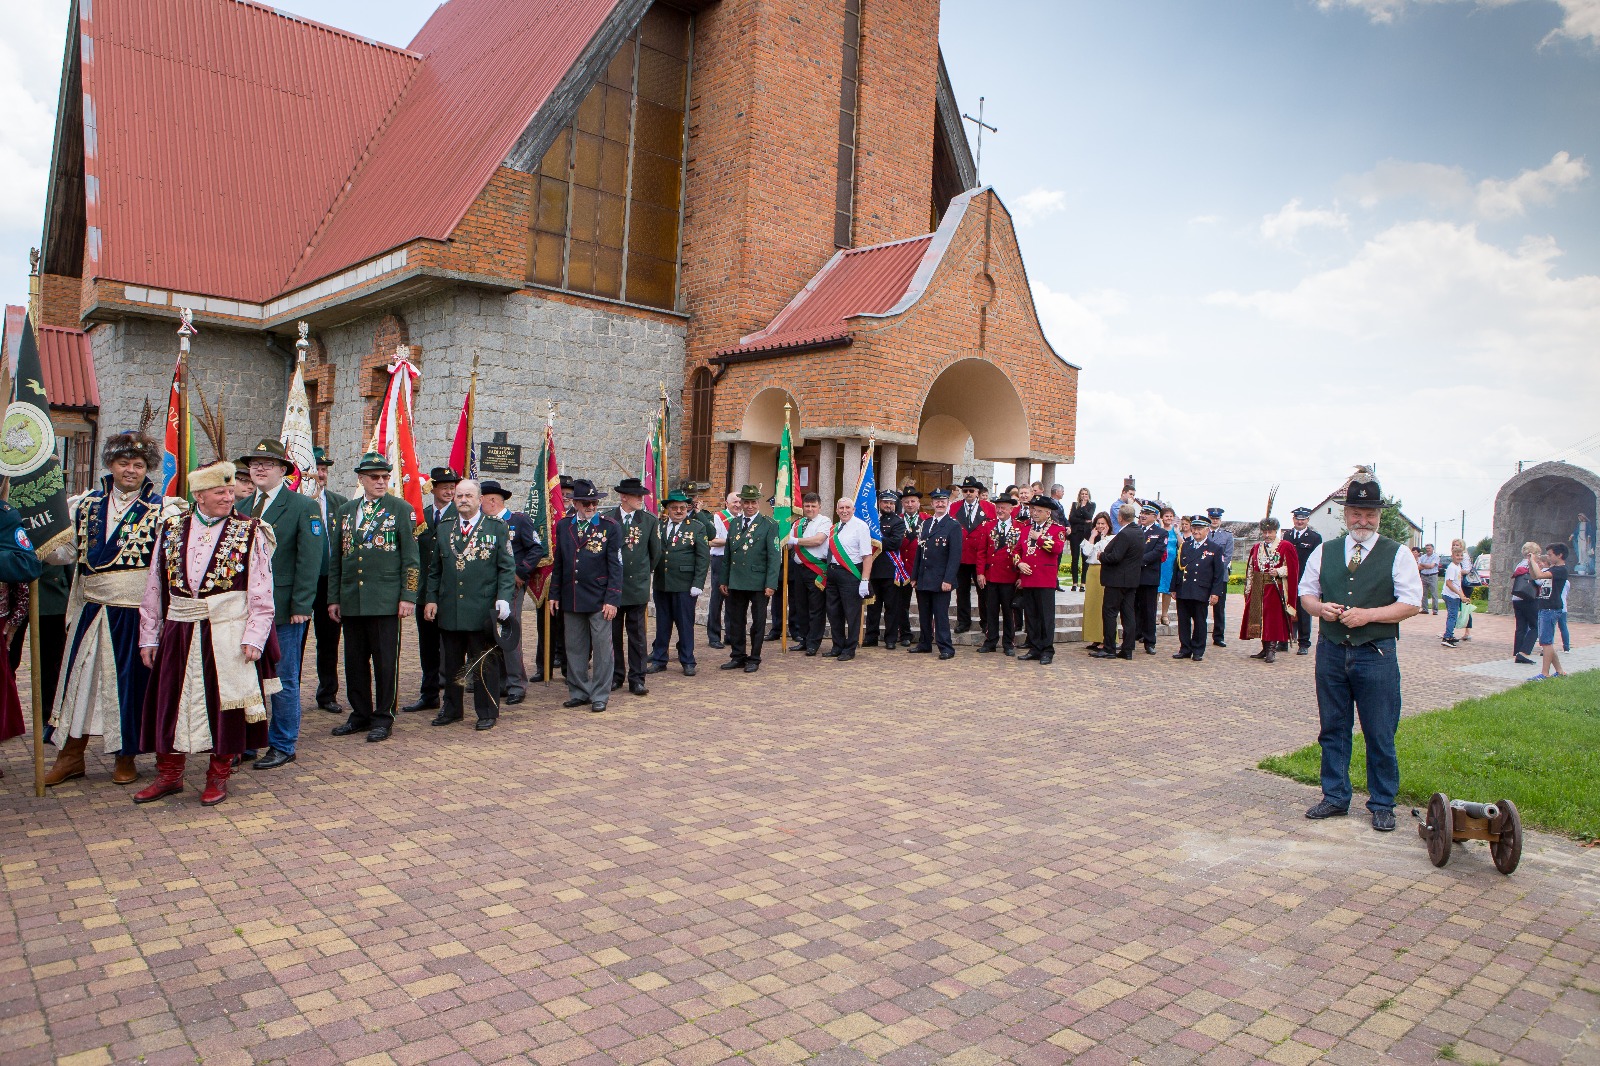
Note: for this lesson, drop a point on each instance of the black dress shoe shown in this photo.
(484, 724)
(1326, 809)
(515, 698)
(1102, 654)
(1009, 651)
(1271, 656)
(345, 730)
(1027, 656)
(774, 635)
(616, 683)
(655, 668)
(751, 668)
(597, 706)
(1047, 658)
(715, 644)
(688, 671)
(920, 651)
(422, 704)
(251, 756)
(873, 643)
(1128, 655)
(274, 759)
(984, 649)
(331, 706)
(1149, 649)
(1383, 820)
(947, 655)
(811, 652)
(1182, 655)
(732, 664)
(1220, 643)
(378, 733)
(963, 628)
(445, 719)
(575, 702)
(846, 656)
(1198, 658)
(638, 689)
(1305, 649)
(831, 653)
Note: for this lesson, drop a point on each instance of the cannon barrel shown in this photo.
(1476, 810)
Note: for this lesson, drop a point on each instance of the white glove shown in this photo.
(502, 610)
(866, 589)
(694, 593)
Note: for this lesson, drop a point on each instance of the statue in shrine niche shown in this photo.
(1582, 547)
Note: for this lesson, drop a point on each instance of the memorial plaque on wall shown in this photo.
(499, 458)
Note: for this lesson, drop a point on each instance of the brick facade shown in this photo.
(59, 298)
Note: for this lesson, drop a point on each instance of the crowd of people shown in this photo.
(179, 629)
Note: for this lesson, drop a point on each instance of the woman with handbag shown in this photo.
(1525, 607)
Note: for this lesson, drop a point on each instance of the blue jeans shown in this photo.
(1452, 611)
(1566, 637)
(283, 728)
(1360, 680)
(1549, 621)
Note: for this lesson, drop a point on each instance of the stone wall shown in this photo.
(604, 367)
(134, 359)
(1542, 504)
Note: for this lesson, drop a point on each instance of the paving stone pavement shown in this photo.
(895, 860)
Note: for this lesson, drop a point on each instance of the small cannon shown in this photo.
(1450, 821)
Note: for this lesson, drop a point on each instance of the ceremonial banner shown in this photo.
(28, 455)
(867, 497)
(178, 442)
(783, 509)
(461, 449)
(392, 437)
(296, 435)
(546, 506)
(648, 475)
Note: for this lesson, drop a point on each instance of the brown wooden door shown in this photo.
(806, 460)
(926, 477)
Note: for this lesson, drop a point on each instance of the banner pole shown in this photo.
(35, 666)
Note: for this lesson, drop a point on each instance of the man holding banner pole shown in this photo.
(849, 545)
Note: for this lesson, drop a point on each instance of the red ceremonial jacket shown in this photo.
(1043, 554)
(971, 535)
(994, 559)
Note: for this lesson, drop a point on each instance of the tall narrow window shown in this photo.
(608, 198)
(700, 414)
(849, 72)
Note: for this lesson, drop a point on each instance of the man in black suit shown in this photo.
(587, 584)
(1121, 563)
(1305, 541)
(444, 485)
(526, 551)
(885, 591)
(938, 563)
(1154, 554)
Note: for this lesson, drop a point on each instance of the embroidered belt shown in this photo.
(116, 588)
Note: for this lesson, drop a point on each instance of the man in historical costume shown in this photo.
(1153, 555)
(808, 574)
(442, 488)
(301, 537)
(1038, 564)
(1305, 541)
(322, 625)
(849, 547)
(1198, 580)
(1362, 585)
(206, 635)
(374, 581)
(471, 577)
(911, 511)
(102, 685)
(971, 513)
(997, 577)
(587, 585)
(939, 547)
(641, 555)
(1223, 541)
(526, 552)
(1272, 581)
(754, 561)
(680, 580)
(888, 575)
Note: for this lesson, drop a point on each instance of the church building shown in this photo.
(767, 208)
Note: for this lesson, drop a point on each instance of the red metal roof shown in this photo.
(68, 367)
(217, 134)
(489, 65)
(860, 281)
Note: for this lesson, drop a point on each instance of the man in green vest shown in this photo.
(442, 484)
(680, 580)
(753, 562)
(374, 581)
(641, 554)
(471, 578)
(327, 630)
(296, 561)
(1362, 585)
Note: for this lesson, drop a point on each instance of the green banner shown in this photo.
(38, 488)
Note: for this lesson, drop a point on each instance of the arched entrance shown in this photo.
(971, 412)
(1551, 503)
(755, 455)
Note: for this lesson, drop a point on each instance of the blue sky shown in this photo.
(1280, 236)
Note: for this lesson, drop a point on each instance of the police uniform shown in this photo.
(1198, 575)
(1222, 540)
(888, 570)
(938, 563)
(1305, 542)
(587, 578)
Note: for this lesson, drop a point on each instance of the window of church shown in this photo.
(699, 435)
(845, 194)
(607, 204)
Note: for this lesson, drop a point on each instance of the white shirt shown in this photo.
(813, 526)
(273, 495)
(721, 533)
(856, 539)
(1407, 580)
(1452, 573)
(467, 527)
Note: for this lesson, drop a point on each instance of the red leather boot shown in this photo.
(217, 774)
(169, 779)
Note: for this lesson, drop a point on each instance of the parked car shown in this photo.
(1480, 567)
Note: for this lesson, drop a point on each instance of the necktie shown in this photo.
(261, 505)
(1355, 558)
(672, 530)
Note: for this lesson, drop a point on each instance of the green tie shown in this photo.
(1355, 559)
(261, 505)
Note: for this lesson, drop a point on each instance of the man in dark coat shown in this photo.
(971, 513)
(938, 563)
(680, 581)
(526, 551)
(1305, 541)
(1223, 541)
(444, 482)
(641, 555)
(754, 559)
(1121, 564)
(888, 573)
(326, 629)
(1198, 582)
(469, 586)
(1153, 555)
(587, 585)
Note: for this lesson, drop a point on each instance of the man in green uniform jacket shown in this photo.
(471, 578)
(681, 578)
(753, 562)
(641, 555)
(328, 503)
(444, 482)
(296, 561)
(374, 582)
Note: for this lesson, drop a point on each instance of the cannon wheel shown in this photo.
(1441, 835)
(1507, 851)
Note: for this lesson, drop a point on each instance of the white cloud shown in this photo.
(30, 69)
(1395, 179)
(1504, 199)
(1580, 19)
(1038, 204)
(1285, 224)
(1081, 326)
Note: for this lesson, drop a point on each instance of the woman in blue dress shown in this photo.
(1168, 520)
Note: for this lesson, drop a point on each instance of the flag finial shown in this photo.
(302, 344)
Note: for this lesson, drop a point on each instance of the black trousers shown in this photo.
(1302, 624)
(674, 609)
(1192, 628)
(52, 648)
(428, 652)
(1118, 605)
(628, 626)
(1079, 570)
(327, 647)
(966, 582)
(371, 652)
(883, 613)
(1526, 632)
(558, 652)
(1219, 620)
(1000, 602)
(1039, 608)
(808, 608)
(1144, 612)
(747, 619)
(902, 610)
(933, 614)
(456, 649)
(843, 597)
(779, 603)
(716, 607)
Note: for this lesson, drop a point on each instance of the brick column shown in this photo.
(1047, 475)
(1022, 473)
(741, 464)
(888, 466)
(826, 488)
(851, 469)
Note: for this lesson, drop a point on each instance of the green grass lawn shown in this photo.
(1537, 745)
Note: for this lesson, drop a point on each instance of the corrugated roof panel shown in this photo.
(224, 132)
(68, 367)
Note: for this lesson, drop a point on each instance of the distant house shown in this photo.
(1327, 517)
(74, 395)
